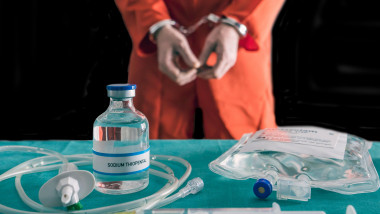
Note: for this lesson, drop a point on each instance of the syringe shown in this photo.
(275, 209)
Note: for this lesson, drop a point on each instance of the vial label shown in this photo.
(120, 163)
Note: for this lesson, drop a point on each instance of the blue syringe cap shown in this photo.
(262, 188)
(121, 90)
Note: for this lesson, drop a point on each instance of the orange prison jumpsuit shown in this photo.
(240, 102)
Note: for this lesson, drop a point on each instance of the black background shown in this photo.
(56, 59)
(326, 68)
(58, 56)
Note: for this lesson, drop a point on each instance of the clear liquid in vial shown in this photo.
(128, 132)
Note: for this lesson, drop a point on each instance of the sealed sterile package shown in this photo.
(291, 160)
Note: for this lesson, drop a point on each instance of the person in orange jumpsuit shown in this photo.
(234, 94)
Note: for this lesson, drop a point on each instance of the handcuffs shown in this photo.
(155, 28)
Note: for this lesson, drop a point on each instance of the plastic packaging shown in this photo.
(295, 172)
(121, 144)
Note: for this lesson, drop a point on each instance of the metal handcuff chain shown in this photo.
(241, 29)
(211, 18)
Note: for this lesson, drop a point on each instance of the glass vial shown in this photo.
(121, 144)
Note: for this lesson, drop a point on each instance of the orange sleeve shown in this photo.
(257, 15)
(240, 9)
(138, 16)
(260, 22)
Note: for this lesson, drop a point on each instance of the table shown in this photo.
(218, 192)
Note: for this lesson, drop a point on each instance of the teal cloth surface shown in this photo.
(218, 192)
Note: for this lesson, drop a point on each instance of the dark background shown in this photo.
(57, 58)
(326, 69)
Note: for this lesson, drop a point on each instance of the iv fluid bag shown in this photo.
(331, 160)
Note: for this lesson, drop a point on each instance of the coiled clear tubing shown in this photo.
(54, 161)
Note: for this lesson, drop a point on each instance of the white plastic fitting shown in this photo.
(68, 189)
(192, 187)
(350, 210)
(295, 189)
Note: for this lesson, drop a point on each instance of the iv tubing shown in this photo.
(168, 200)
(39, 207)
(181, 181)
(44, 164)
(33, 150)
(113, 208)
(102, 210)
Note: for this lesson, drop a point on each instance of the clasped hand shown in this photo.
(171, 44)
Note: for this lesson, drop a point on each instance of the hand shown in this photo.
(170, 45)
(223, 40)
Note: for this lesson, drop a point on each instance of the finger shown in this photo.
(207, 73)
(176, 75)
(203, 69)
(224, 61)
(167, 66)
(219, 69)
(181, 77)
(187, 54)
(187, 78)
(208, 48)
(189, 74)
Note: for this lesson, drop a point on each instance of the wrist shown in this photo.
(240, 28)
(157, 27)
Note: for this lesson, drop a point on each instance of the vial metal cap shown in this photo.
(121, 90)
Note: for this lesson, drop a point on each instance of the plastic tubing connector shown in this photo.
(192, 187)
(262, 188)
